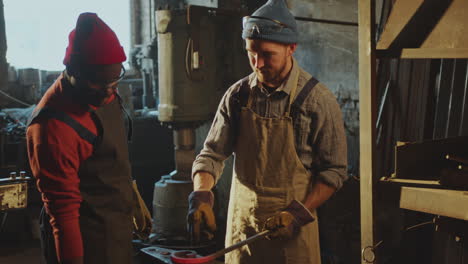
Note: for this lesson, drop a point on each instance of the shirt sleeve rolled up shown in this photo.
(219, 142)
(330, 141)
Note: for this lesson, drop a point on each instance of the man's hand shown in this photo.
(289, 221)
(200, 219)
(284, 223)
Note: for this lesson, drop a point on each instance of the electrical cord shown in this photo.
(327, 21)
(14, 99)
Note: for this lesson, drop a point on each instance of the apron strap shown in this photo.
(51, 113)
(249, 95)
(304, 93)
(292, 94)
(244, 92)
(129, 123)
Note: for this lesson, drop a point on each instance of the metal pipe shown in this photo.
(135, 26)
(450, 99)
(463, 118)
(3, 50)
(184, 142)
(327, 21)
(184, 138)
(3, 42)
(151, 22)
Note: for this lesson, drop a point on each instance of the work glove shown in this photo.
(288, 222)
(142, 221)
(200, 219)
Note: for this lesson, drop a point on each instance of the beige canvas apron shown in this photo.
(268, 175)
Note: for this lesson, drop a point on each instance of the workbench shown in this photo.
(449, 203)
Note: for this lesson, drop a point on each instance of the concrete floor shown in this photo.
(20, 237)
(29, 252)
(18, 252)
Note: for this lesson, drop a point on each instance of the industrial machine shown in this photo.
(13, 194)
(199, 54)
(14, 191)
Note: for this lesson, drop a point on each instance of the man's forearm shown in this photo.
(319, 194)
(203, 181)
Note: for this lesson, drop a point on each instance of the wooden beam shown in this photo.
(422, 22)
(413, 183)
(426, 24)
(448, 203)
(397, 21)
(367, 117)
(424, 53)
(452, 29)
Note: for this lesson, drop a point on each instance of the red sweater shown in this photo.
(55, 153)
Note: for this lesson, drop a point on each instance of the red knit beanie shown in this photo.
(93, 42)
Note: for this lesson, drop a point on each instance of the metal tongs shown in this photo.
(190, 257)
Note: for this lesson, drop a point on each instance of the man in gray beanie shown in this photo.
(286, 132)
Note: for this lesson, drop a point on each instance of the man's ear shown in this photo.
(76, 70)
(292, 48)
(70, 70)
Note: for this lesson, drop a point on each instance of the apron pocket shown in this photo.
(269, 202)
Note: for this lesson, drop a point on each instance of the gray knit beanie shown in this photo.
(273, 21)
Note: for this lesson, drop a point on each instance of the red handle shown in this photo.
(189, 257)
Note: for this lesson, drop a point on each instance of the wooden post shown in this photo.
(367, 117)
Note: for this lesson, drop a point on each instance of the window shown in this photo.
(37, 31)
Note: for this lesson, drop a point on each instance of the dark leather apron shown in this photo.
(105, 185)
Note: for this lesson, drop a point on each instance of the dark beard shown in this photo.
(273, 77)
(92, 96)
(85, 95)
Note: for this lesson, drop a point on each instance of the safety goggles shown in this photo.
(109, 83)
(262, 28)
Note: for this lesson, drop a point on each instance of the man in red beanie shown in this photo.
(77, 147)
